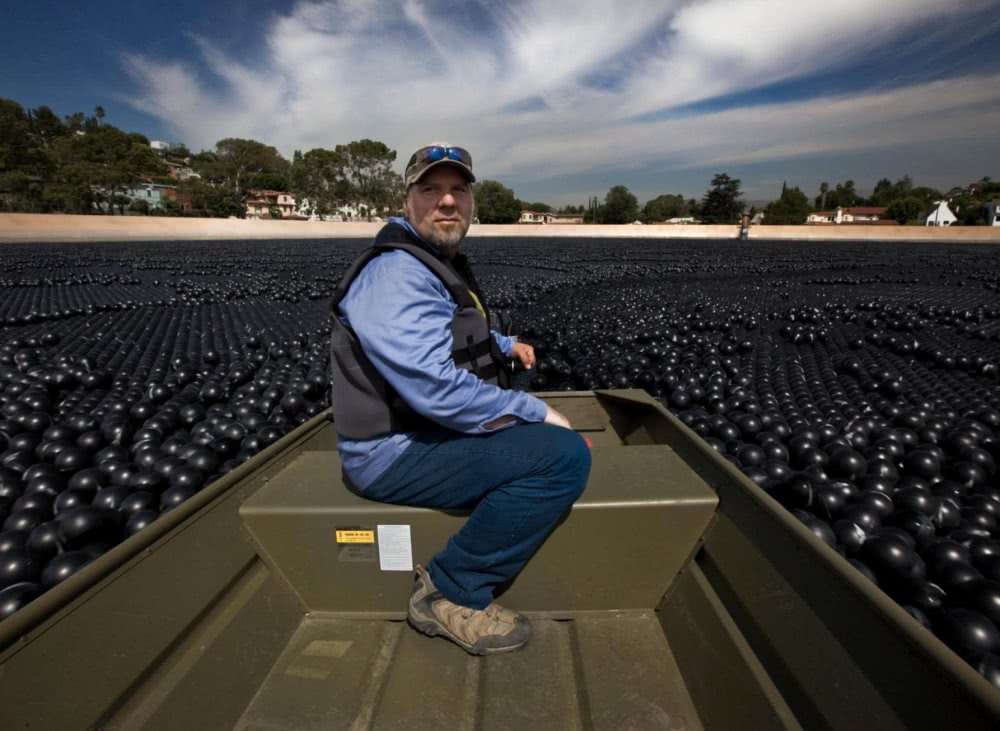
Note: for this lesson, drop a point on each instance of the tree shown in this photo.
(842, 196)
(824, 188)
(99, 114)
(882, 193)
(96, 166)
(495, 203)
(791, 209)
(538, 207)
(210, 200)
(620, 206)
(178, 151)
(721, 203)
(119, 201)
(664, 207)
(268, 181)
(368, 170)
(75, 121)
(237, 159)
(885, 192)
(320, 177)
(904, 209)
(926, 195)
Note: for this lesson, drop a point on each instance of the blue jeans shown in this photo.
(518, 483)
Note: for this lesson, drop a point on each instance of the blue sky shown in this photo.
(558, 99)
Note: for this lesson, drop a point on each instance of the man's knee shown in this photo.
(570, 458)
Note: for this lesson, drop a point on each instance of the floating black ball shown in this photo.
(61, 567)
(112, 453)
(987, 665)
(43, 542)
(847, 463)
(25, 520)
(892, 560)
(174, 496)
(72, 459)
(16, 566)
(87, 524)
(922, 464)
(16, 596)
(984, 597)
(864, 516)
(139, 520)
(967, 631)
(881, 503)
(926, 596)
(819, 528)
(796, 492)
(12, 539)
(110, 497)
(137, 501)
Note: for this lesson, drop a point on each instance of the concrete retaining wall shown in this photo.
(31, 227)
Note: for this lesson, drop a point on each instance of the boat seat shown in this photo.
(636, 526)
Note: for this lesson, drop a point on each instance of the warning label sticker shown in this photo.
(356, 543)
(355, 535)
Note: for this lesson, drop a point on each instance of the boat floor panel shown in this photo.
(614, 672)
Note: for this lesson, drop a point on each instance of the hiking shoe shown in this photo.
(477, 631)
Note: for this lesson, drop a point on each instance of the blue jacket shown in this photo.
(401, 313)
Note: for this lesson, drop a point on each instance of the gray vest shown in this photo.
(365, 406)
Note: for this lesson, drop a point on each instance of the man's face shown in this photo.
(439, 207)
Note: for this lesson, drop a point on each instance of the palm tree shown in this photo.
(824, 188)
(99, 113)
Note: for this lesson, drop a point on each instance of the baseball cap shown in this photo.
(438, 154)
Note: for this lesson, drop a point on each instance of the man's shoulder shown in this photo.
(397, 269)
(394, 261)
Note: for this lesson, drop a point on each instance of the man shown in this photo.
(423, 419)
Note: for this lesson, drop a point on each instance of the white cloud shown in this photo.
(580, 71)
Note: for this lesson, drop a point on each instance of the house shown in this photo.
(179, 171)
(992, 210)
(532, 217)
(264, 203)
(183, 200)
(542, 217)
(153, 194)
(853, 214)
(346, 212)
(940, 215)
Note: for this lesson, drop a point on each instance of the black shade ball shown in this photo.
(61, 567)
(16, 596)
(967, 631)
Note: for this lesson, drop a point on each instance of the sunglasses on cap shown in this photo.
(435, 153)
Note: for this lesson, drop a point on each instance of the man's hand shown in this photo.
(525, 355)
(556, 419)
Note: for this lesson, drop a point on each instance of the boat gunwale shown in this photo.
(49, 606)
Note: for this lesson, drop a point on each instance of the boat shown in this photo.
(676, 594)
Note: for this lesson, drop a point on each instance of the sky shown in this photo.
(557, 99)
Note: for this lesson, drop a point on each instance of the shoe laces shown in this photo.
(491, 611)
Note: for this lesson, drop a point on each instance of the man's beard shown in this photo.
(447, 242)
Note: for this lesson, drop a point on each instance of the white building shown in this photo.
(268, 203)
(854, 214)
(348, 212)
(992, 213)
(940, 215)
(540, 217)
